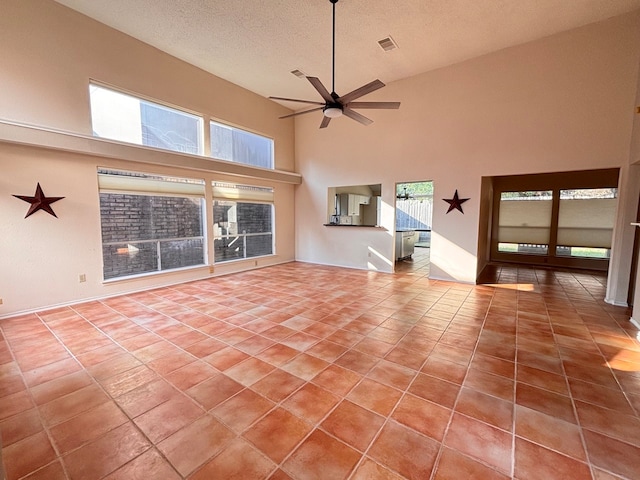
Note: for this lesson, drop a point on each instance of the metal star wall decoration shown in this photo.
(39, 202)
(455, 202)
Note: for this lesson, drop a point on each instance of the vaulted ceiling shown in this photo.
(256, 44)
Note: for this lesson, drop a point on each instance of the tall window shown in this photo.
(585, 222)
(242, 221)
(561, 219)
(118, 116)
(235, 145)
(525, 222)
(150, 223)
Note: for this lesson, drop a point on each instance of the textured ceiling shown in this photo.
(256, 43)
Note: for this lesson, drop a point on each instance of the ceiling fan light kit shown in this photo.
(334, 105)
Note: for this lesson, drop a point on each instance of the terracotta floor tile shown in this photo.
(168, 417)
(480, 441)
(357, 361)
(550, 364)
(613, 455)
(320, 457)
(192, 446)
(453, 466)
(242, 410)
(300, 341)
(327, 350)
(542, 379)
(277, 434)
(205, 347)
(486, 408)
(64, 408)
(311, 402)
(538, 463)
(249, 371)
(545, 401)
(86, 427)
(618, 425)
(450, 371)
(238, 461)
(392, 374)
(277, 385)
(375, 396)
(169, 363)
(337, 379)
(353, 425)
(99, 458)
(20, 426)
(600, 374)
(51, 371)
(47, 391)
(27, 455)
(490, 384)
(126, 381)
(407, 358)
(155, 351)
(99, 355)
(214, 391)
(423, 416)
(144, 398)
(280, 475)
(435, 390)
(494, 365)
(370, 470)
(53, 471)
(225, 358)
(601, 396)
(305, 366)
(140, 341)
(113, 366)
(550, 432)
(272, 315)
(190, 375)
(149, 465)
(405, 451)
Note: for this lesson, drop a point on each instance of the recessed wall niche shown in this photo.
(354, 205)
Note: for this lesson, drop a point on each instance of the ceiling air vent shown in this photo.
(387, 44)
(298, 73)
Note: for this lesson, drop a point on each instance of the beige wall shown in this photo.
(49, 53)
(558, 104)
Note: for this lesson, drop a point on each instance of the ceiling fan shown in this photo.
(335, 105)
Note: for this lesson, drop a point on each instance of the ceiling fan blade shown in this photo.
(362, 91)
(301, 113)
(389, 105)
(317, 84)
(325, 122)
(356, 116)
(296, 100)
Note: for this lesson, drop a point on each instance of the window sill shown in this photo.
(141, 276)
(49, 139)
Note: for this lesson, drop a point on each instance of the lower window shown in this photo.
(243, 227)
(147, 232)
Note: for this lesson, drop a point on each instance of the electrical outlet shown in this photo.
(256, 263)
(368, 254)
(0, 301)
(82, 277)
(211, 268)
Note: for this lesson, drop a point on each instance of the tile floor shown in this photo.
(307, 372)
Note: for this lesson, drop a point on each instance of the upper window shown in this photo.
(118, 116)
(150, 223)
(235, 145)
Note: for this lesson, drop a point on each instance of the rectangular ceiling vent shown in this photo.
(298, 73)
(387, 44)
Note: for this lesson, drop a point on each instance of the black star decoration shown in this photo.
(455, 202)
(39, 202)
